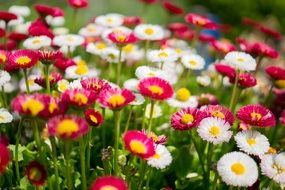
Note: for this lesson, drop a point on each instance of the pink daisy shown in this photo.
(282, 118)
(78, 97)
(200, 21)
(53, 79)
(36, 173)
(94, 84)
(23, 59)
(219, 111)
(223, 46)
(109, 183)
(93, 117)
(122, 38)
(275, 72)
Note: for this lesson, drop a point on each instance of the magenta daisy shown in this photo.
(67, 126)
(122, 38)
(53, 79)
(115, 98)
(219, 111)
(4, 158)
(23, 59)
(36, 173)
(139, 144)
(187, 118)
(256, 115)
(93, 117)
(109, 183)
(78, 97)
(155, 88)
(49, 57)
(94, 84)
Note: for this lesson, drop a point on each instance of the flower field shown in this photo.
(117, 102)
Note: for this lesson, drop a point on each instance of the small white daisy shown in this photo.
(161, 159)
(241, 60)
(97, 48)
(11, 86)
(204, 80)
(15, 22)
(37, 42)
(111, 55)
(22, 28)
(4, 77)
(75, 84)
(62, 85)
(145, 71)
(23, 11)
(5, 116)
(182, 99)
(110, 20)
(70, 40)
(237, 169)
(55, 21)
(149, 32)
(214, 130)
(80, 70)
(60, 31)
(193, 62)
(252, 142)
(32, 85)
(131, 84)
(157, 112)
(132, 52)
(162, 56)
(91, 30)
(273, 166)
(139, 100)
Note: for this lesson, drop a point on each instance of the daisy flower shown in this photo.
(94, 84)
(182, 99)
(53, 79)
(252, 142)
(4, 77)
(200, 21)
(162, 56)
(7, 16)
(256, 115)
(241, 61)
(4, 157)
(69, 40)
(275, 72)
(78, 97)
(161, 159)
(78, 4)
(157, 112)
(282, 118)
(111, 55)
(49, 57)
(93, 117)
(67, 127)
(214, 130)
(155, 88)
(219, 111)
(23, 11)
(109, 183)
(186, 118)
(139, 100)
(62, 85)
(149, 32)
(273, 166)
(122, 38)
(172, 8)
(225, 70)
(80, 70)
(5, 116)
(3, 56)
(37, 42)
(193, 62)
(110, 20)
(203, 80)
(223, 46)
(22, 59)
(36, 173)
(146, 71)
(132, 52)
(97, 48)
(55, 21)
(237, 169)
(91, 30)
(115, 98)
(139, 144)
(131, 84)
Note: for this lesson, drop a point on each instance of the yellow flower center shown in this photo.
(238, 168)
(34, 174)
(215, 131)
(91, 28)
(255, 116)
(280, 83)
(3, 58)
(23, 60)
(178, 50)
(240, 59)
(70, 39)
(271, 150)
(62, 86)
(156, 156)
(101, 45)
(279, 168)
(108, 187)
(81, 69)
(34, 106)
(121, 37)
(187, 118)
(193, 62)
(93, 119)
(149, 31)
(163, 54)
(117, 100)
(218, 114)
(137, 147)
(67, 127)
(183, 94)
(36, 41)
(251, 141)
(155, 89)
(52, 107)
(2, 118)
(80, 98)
(128, 48)
(31, 82)
(109, 20)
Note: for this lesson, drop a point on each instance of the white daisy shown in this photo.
(145, 71)
(37, 42)
(182, 99)
(237, 169)
(60, 31)
(62, 85)
(23, 11)
(4, 77)
(55, 21)
(252, 142)
(214, 130)
(80, 70)
(5, 116)
(97, 48)
(22, 28)
(193, 61)
(11, 86)
(132, 52)
(241, 61)
(70, 40)
(149, 32)
(157, 112)
(75, 84)
(32, 85)
(91, 30)
(110, 20)
(204, 80)
(161, 159)
(139, 100)
(273, 166)
(16, 22)
(111, 55)
(131, 84)
(162, 56)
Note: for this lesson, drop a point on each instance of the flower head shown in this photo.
(200, 21)
(149, 32)
(161, 159)
(109, 183)
(245, 80)
(53, 79)
(193, 62)
(223, 46)
(219, 111)
(182, 98)
(23, 59)
(67, 126)
(225, 69)
(7, 16)
(3, 56)
(163, 55)
(241, 61)
(4, 157)
(275, 72)
(237, 169)
(78, 97)
(37, 42)
(94, 84)
(186, 118)
(122, 38)
(93, 117)
(49, 57)
(36, 173)
(45, 10)
(139, 144)
(256, 115)
(78, 3)
(4, 77)
(264, 50)
(172, 8)
(70, 40)
(5, 116)
(282, 118)
(155, 88)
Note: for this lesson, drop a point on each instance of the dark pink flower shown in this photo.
(200, 21)
(223, 46)
(78, 3)
(172, 8)
(109, 182)
(36, 173)
(4, 158)
(275, 72)
(93, 117)
(78, 97)
(122, 38)
(219, 111)
(7, 16)
(264, 50)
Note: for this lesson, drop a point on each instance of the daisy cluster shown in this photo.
(121, 103)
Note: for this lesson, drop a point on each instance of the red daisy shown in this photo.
(67, 126)
(244, 45)
(187, 118)
(40, 31)
(270, 32)
(206, 38)
(225, 69)
(109, 183)
(132, 20)
(4, 158)
(256, 115)
(7, 16)
(264, 50)
(93, 117)
(18, 37)
(23, 59)
(275, 72)
(36, 173)
(9, 46)
(45, 10)
(139, 144)
(223, 46)
(78, 3)
(122, 38)
(282, 118)
(49, 57)
(53, 79)
(155, 88)
(177, 27)
(250, 22)
(172, 8)
(185, 35)
(4, 140)
(219, 111)
(245, 80)
(200, 21)
(94, 84)
(78, 97)
(115, 98)
(62, 63)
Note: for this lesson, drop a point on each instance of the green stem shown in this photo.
(119, 66)
(215, 181)
(38, 139)
(151, 115)
(18, 137)
(258, 64)
(88, 154)
(68, 171)
(47, 79)
(26, 81)
(117, 136)
(148, 179)
(146, 46)
(234, 93)
(4, 97)
(54, 158)
(82, 163)
(209, 157)
(187, 77)
(129, 119)
(142, 174)
(103, 128)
